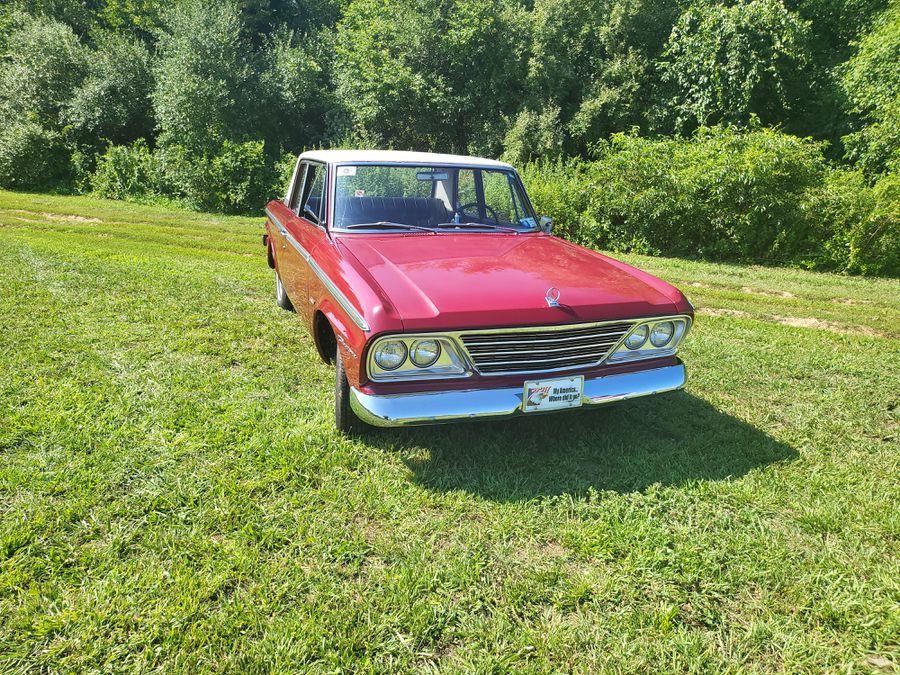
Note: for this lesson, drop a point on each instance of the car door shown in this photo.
(291, 263)
(310, 229)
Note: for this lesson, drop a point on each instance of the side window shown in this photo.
(296, 187)
(313, 193)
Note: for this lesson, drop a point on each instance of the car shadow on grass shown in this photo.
(668, 440)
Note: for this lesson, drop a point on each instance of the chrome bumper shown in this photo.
(478, 404)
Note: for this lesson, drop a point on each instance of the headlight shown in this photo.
(425, 352)
(637, 339)
(662, 333)
(390, 354)
(652, 339)
(415, 357)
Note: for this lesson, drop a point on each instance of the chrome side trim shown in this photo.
(485, 404)
(335, 292)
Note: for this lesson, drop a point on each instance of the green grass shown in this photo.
(173, 495)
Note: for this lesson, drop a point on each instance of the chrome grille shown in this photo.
(542, 349)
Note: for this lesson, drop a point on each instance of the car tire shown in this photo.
(344, 418)
(281, 296)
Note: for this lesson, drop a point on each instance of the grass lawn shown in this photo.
(173, 495)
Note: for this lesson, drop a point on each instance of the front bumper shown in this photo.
(435, 407)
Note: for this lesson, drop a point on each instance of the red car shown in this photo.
(440, 296)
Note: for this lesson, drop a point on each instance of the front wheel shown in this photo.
(344, 418)
(281, 296)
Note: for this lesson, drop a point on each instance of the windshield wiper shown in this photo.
(478, 226)
(386, 225)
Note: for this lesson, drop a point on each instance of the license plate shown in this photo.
(564, 392)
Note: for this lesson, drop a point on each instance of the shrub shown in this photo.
(238, 178)
(283, 171)
(31, 156)
(560, 189)
(533, 135)
(722, 195)
(42, 65)
(862, 223)
(126, 172)
(758, 196)
(431, 73)
(299, 101)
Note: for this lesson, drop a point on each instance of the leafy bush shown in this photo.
(125, 172)
(283, 171)
(862, 223)
(237, 178)
(534, 135)
(761, 196)
(595, 63)
(44, 63)
(432, 73)
(299, 99)
(562, 189)
(31, 156)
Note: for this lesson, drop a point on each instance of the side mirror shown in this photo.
(546, 223)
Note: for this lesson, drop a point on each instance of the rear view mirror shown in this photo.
(546, 224)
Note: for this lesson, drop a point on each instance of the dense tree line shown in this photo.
(206, 102)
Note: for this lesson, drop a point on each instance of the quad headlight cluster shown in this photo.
(652, 339)
(394, 358)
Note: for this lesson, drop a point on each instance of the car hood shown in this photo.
(484, 279)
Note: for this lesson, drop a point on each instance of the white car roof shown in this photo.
(399, 157)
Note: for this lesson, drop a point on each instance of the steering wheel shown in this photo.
(462, 210)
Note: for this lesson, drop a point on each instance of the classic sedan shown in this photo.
(439, 296)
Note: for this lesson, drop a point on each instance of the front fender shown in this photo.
(351, 341)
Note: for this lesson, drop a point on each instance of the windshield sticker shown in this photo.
(431, 175)
(528, 222)
(346, 171)
(359, 193)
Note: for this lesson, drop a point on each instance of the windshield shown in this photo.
(433, 197)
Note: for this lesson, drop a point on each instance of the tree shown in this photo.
(731, 63)
(301, 107)
(432, 74)
(207, 88)
(595, 62)
(872, 81)
(45, 63)
(112, 104)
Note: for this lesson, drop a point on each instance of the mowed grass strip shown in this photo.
(173, 494)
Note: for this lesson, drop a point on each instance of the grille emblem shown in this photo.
(552, 297)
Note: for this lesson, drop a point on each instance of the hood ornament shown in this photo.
(552, 297)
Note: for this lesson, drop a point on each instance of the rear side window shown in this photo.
(295, 188)
(313, 193)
